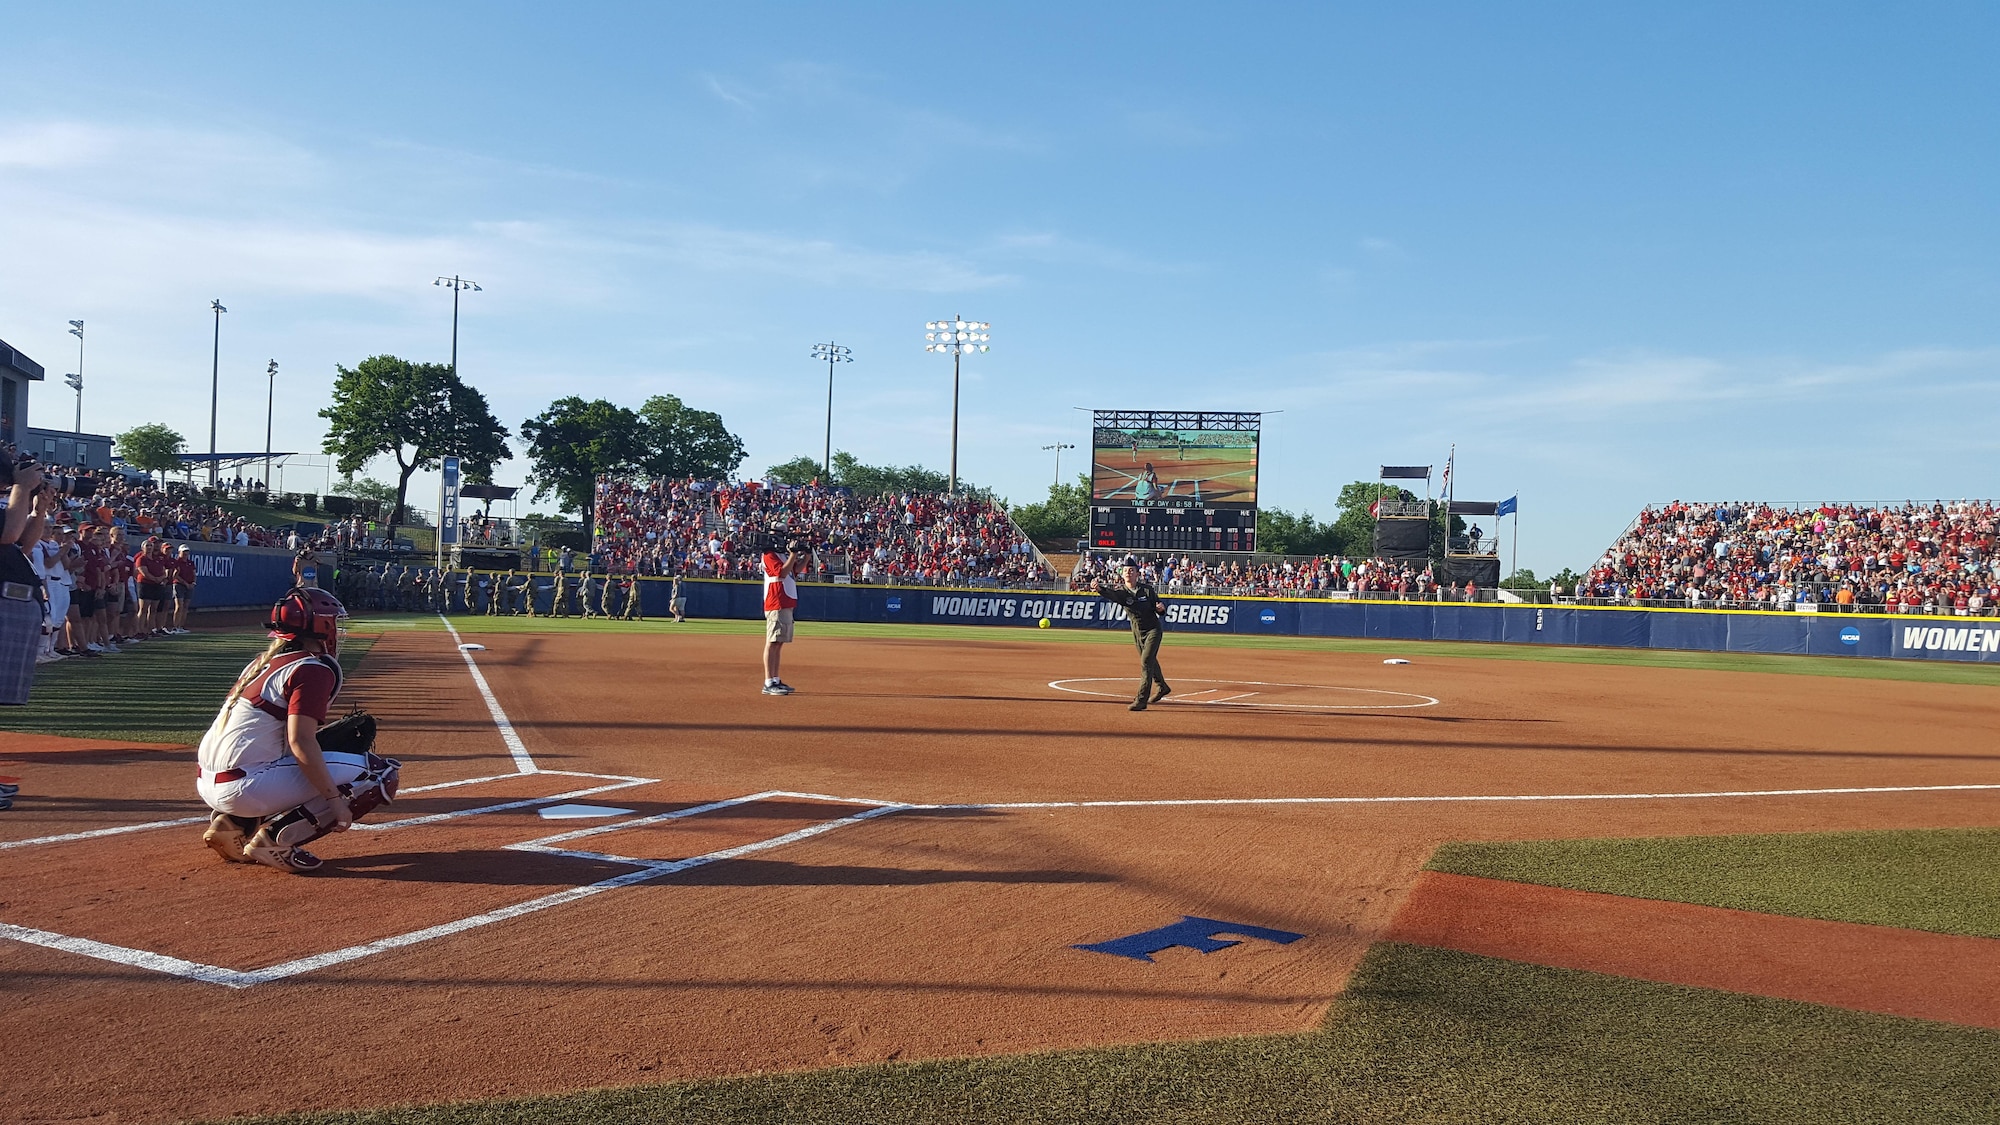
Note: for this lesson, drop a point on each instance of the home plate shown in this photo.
(1395, 661)
(469, 647)
(580, 812)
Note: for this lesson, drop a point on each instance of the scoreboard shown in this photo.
(1174, 480)
(1174, 529)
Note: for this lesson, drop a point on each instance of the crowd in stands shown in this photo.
(1917, 558)
(144, 508)
(712, 529)
(1323, 576)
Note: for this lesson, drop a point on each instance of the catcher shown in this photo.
(275, 777)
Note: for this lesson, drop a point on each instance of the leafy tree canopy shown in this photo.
(680, 441)
(415, 413)
(1281, 533)
(798, 470)
(1064, 515)
(366, 488)
(574, 442)
(874, 480)
(153, 447)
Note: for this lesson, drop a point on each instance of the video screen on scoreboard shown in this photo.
(1150, 467)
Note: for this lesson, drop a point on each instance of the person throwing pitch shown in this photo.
(1143, 605)
(781, 597)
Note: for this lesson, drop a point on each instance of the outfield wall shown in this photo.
(1899, 636)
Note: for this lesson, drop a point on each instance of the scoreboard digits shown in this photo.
(1180, 529)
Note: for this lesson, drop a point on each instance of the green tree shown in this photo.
(1064, 515)
(574, 442)
(1281, 533)
(415, 413)
(680, 441)
(874, 480)
(367, 488)
(151, 447)
(798, 470)
(1523, 579)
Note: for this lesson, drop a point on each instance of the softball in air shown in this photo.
(1043, 623)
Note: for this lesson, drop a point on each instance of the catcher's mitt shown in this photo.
(352, 733)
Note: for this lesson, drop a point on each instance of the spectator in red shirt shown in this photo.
(154, 575)
(781, 597)
(183, 589)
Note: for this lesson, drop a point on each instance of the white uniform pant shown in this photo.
(58, 613)
(275, 787)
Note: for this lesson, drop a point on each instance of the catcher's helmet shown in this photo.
(307, 612)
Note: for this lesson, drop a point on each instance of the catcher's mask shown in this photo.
(308, 612)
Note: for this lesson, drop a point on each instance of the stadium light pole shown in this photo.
(956, 337)
(76, 381)
(457, 285)
(832, 353)
(270, 397)
(1059, 447)
(214, 387)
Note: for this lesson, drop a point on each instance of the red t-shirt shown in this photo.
(153, 568)
(184, 571)
(780, 592)
(93, 568)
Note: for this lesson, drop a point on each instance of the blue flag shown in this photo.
(1507, 507)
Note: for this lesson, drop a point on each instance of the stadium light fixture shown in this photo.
(955, 337)
(270, 397)
(76, 381)
(832, 353)
(1059, 447)
(457, 285)
(214, 387)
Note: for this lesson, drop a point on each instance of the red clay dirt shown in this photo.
(916, 934)
(1896, 972)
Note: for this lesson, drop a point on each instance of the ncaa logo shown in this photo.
(1850, 636)
(895, 605)
(1268, 617)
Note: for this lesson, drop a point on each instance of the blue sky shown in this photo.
(1616, 253)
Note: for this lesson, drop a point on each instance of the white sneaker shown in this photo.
(93, 648)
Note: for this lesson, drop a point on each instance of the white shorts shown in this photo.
(778, 626)
(274, 787)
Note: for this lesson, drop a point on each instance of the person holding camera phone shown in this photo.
(781, 598)
(31, 499)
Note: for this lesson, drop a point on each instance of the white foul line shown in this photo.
(523, 762)
(1428, 798)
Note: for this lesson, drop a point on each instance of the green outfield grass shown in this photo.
(162, 690)
(1921, 879)
(1916, 671)
(1421, 1035)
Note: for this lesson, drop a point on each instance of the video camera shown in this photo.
(64, 484)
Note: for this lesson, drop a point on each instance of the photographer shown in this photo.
(22, 600)
(781, 598)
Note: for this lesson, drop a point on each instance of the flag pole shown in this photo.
(1517, 535)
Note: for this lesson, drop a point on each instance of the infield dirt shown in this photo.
(918, 934)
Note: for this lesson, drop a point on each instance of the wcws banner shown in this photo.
(1804, 634)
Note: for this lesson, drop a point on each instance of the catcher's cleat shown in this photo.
(226, 838)
(264, 848)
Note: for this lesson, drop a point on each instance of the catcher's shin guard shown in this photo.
(375, 787)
